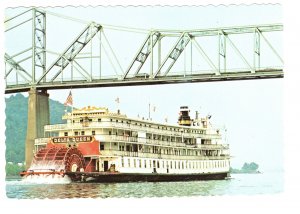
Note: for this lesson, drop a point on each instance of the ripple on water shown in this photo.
(242, 184)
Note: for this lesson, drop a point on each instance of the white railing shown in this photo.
(145, 141)
(118, 125)
(41, 141)
(213, 146)
(121, 138)
(160, 156)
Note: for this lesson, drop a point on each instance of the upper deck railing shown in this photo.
(177, 132)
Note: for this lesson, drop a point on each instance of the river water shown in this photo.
(238, 184)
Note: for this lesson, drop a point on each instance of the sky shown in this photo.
(250, 100)
(251, 111)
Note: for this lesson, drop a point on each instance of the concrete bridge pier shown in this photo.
(38, 117)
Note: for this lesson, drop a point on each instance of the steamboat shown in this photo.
(96, 145)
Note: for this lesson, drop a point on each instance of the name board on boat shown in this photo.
(75, 139)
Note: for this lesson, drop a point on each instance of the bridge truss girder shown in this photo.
(11, 64)
(162, 67)
(223, 39)
(71, 52)
(145, 50)
(38, 43)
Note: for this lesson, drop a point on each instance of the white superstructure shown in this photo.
(130, 145)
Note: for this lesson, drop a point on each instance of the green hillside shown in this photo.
(16, 124)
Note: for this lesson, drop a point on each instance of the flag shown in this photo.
(117, 100)
(69, 100)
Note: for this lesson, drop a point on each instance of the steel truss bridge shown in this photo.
(96, 57)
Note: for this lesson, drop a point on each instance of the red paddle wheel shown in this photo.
(74, 160)
(56, 160)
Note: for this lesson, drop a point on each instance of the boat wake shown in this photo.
(45, 179)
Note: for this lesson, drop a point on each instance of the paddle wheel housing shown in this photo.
(63, 155)
(56, 160)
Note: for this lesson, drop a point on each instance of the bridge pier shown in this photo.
(38, 117)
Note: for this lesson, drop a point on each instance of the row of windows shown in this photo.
(162, 138)
(138, 163)
(76, 133)
(156, 150)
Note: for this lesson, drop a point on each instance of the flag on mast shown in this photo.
(69, 100)
(154, 108)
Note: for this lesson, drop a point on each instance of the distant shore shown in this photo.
(242, 172)
(247, 168)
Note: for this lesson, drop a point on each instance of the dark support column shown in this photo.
(38, 117)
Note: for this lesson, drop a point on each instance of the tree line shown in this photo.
(246, 168)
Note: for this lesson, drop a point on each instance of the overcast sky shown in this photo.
(252, 111)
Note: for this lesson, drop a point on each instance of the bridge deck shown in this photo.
(264, 74)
